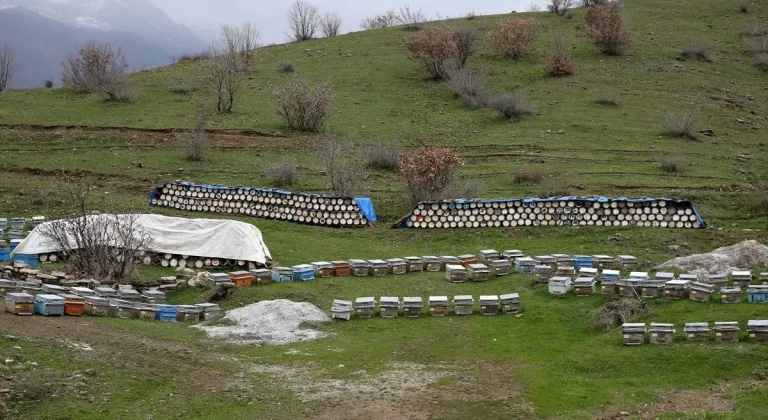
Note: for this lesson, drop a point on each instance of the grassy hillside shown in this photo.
(547, 363)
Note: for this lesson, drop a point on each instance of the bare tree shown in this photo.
(345, 174)
(384, 20)
(303, 18)
(103, 246)
(99, 67)
(559, 7)
(465, 44)
(242, 40)
(412, 20)
(7, 66)
(303, 106)
(224, 76)
(196, 140)
(330, 24)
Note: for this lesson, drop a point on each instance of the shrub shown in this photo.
(469, 189)
(412, 20)
(568, 15)
(607, 97)
(48, 83)
(224, 75)
(180, 87)
(514, 37)
(682, 127)
(99, 68)
(616, 312)
(465, 44)
(756, 45)
(754, 27)
(330, 24)
(559, 7)
(551, 188)
(433, 48)
(303, 19)
(196, 140)
(470, 87)
(743, 6)
(512, 106)
(607, 28)
(671, 163)
(345, 174)
(471, 15)
(384, 20)
(761, 199)
(535, 176)
(382, 156)
(286, 67)
(302, 106)
(533, 7)
(762, 60)
(559, 62)
(696, 51)
(429, 172)
(202, 55)
(285, 174)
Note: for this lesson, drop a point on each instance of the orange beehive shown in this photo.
(468, 259)
(74, 305)
(340, 268)
(241, 278)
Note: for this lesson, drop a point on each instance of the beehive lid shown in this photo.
(742, 274)
(542, 268)
(338, 303)
(696, 326)
(654, 283)
(499, 263)
(717, 278)
(396, 261)
(702, 287)
(389, 301)
(282, 270)
(358, 262)
(208, 307)
(322, 264)
(219, 277)
(47, 298)
(525, 261)
(664, 276)
(431, 258)
(727, 326)
(633, 327)
(611, 273)
(602, 257)
(677, 284)
(626, 258)
(414, 259)
(340, 263)
(105, 290)
(153, 293)
(20, 297)
(560, 281)
(513, 253)
(239, 274)
(260, 272)
(303, 268)
(758, 288)
(489, 299)
(584, 282)
(731, 289)
(511, 297)
(689, 277)
(128, 292)
(377, 262)
(587, 272)
(365, 301)
(638, 275)
(467, 257)
(546, 259)
(95, 300)
(562, 257)
(656, 326)
(69, 296)
(757, 324)
(411, 301)
(441, 300)
(478, 267)
(764, 276)
(463, 299)
(54, 288)
(489, 252)
(582, 257)
(449, 258)
(79, 289)
(454, 267)
(189, 308)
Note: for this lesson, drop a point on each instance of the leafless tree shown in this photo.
(224, 75)
(384, 20)
(196, 140)
(102, 246)
(559, 7)
(7, 66)
(465, 44)
(330, 24)
(99, 67)
(337, 158)
(412, 20)
(303, 18)
(303, 106)
(241, 40)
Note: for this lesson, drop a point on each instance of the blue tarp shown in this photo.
(366, 206)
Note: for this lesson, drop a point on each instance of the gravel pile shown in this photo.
(745, 255)
(269, 322)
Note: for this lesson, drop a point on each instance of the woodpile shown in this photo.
(321, 210)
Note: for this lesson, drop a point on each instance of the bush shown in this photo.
(471, 15)
(412, 20)
(535, 176)
(330, 24)
(559, 7)
(48, 83)
(202, 55)
(434, 48)
(514, 37)
(303, 20)
(286, 67)
(607, 97)
(285, 174)
(616, 312)
(99, 68)
(743, 6)
(756, 45)
(382, 156)
(671, 163)
(754, 27)
(429, 173)
(465, 44)
(512, 106)
(384, 20)
(682, 127)
(761, 199)
(762, 60)
(179, 87)
(469, 189)
(196, 140)
(560, 62)
(568, 15)
(696, 51)
(345, 174)
(551, 188)
(302, 106)
(470, 87)
(607, 28)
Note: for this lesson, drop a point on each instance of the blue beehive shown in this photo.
(49, 305)
(5, 254)
(581, 261)
(758, 293)
(14, 244)
(282, 274)
(303, 272)
(30, 260)
(525, 265)
(166, 313)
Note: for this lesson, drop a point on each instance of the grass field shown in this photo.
(547, 363)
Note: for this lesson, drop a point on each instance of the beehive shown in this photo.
(359, 267)
(663, 276)
(96, 306)
(153, 297)
(82, 291)
(438, 305)
(602, 262)
(512, 254)
(489, 305)
(341, 268)
(697, 331)
(559, 285)
(389, 306)
(7, 286)
(19, 303)
(588, 272)
(727, 332)
(581, 261)
(608, 287)
(500, 267)
(210, 311)
(487, 255)
(718, 281)
(565, 271)
(415, 264)
(54, 289)
(563, 260)
(131, 295)
(653, 289)
(757, 293)
(188, 313)
(106, 292)
(122, 308)
(510, 303)
(661, 333)
(525, 265)
(218, 278)
(701, 292)
(677, 289)
(463, 305)
(378, 268)
(547, 260)
(365, 307)
(633, 334)
(731, 294)
(764, 278)
(626, 262)
(49, 305)
(626, 289)
(33, 289)
(323, 269)
(397, 266)
(455, 273)
(542, 273)
(610, 275)
(432, 263)
(302, 272)
(341, 309)
(412, 306)
(261, 276)
(478, 272)
(637, 278)
(283, 274)
(448, 259)
(584, 286)
(146, 311)
(167, 313)
(74, 305)
(757, 329)
(689, 277)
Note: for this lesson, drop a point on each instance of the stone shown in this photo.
(10, 337)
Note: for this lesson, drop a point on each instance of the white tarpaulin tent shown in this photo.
(210, 238)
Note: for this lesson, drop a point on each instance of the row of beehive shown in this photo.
(636, 333)
(412, 307)
(17, 227)
(570, 211)
(161, 259)
(334, 211)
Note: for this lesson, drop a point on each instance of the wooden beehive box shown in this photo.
(74, 305)
(717, 281)
(54, 289)
(510, 303)
(96, 306)
(547, 260)
(341, 309)
(489, 305)
(701, 292)
(359, 268)
(559, 285)
(664, 276)
(677, 289)
(512, 254)
(241, 278)
(757, 329)
(20, 303)
(432, 263)
(478, 272)
(727, 332)
(562, 260)
(122, 308)
(626, 262)
(602, 262)
(588, 272)
(303, 272)
(463, 305)
(153, 297)
(608, 287)
(188, 313)
(467, 259)
(566, 271)
(82, 291)
(378, 268)
(652, 289)
(542, 273)
(525, 265)
(365, 307)
(412, 306)
(415, 264)
(8, 286)
(500, 267)
(210, 311)
(448, 259)
(757, 293)
(660, 333)
(455, 273)
(581, 261)
(131, 295)
(730, 294)
(341, 268)
(323, 269)
(626, 289)
(438, 305)
(49, 305)
(146, 311)
(487, 255)
(689, 277)
(167, 313)
(397, 266)
(283, 274)
(697, 331)
(389, 306)
(218, 278)
(610, 275)
(764, 278)
(584, 286)
(261, 276)
(633, 334)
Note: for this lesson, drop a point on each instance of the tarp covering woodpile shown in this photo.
(225, 239)
(554, 211)
(314, 209)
